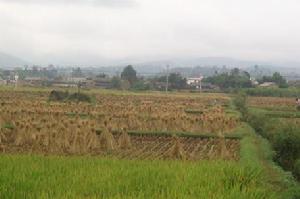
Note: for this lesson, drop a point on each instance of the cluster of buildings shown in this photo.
(63, 82)
(50, 77)
(8, 77)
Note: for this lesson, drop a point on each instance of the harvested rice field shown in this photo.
(126, 145)
(31, 123)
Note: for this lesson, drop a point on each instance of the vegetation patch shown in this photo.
(273, 92)
(65, 96)
(283, 137)
(193, 111)
(282, 114)
(79, 97)
(8, 126)
(297, 169)
(58, 95)
(81, 115)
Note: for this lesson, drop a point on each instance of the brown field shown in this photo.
(31, 124)
(275, 103)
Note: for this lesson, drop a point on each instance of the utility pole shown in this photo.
(16, 80)
(167, 84)
(200, 83)
(79, 84)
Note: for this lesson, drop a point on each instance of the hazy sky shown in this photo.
(93, 30)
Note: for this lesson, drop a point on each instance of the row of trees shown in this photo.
(236, 78)
(129, 80)
(276, 78)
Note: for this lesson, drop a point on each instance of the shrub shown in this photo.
(258, 122)
(58, 95)
(65, 96)
(116, 83)
(296, 170)
(292, 193)
(81, 97)
(286, 143)
(284, 138)
(140, 86)
(8, 126)
(240, 101)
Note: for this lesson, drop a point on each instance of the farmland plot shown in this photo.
(273, 103)
(31, 124)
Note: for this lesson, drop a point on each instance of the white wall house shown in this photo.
(194, 80)
(267, 84)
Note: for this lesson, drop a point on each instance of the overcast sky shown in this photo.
(89, 31)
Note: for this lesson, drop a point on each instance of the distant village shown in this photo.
(50, 76)
(72, 77)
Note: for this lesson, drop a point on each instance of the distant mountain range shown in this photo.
(202, 61)
(9, 61)
(187, 66)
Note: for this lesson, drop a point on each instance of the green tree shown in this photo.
(140, 85)
(279, 80)
(276, 78)
(240, 101)
(116, 82)
(129, 74)
(235, 79)
(101, 75)
(176, 81)
(235, 72)
(76, 72)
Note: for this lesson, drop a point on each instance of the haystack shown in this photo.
(107, 140)
(124, 140)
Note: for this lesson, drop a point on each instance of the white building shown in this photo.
(193, 81)
(267, 84)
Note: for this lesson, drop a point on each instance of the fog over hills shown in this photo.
(187, 66)
(9, 61)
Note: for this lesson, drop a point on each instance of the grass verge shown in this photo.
(256, 154)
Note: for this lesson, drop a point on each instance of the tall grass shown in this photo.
(25, 176)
